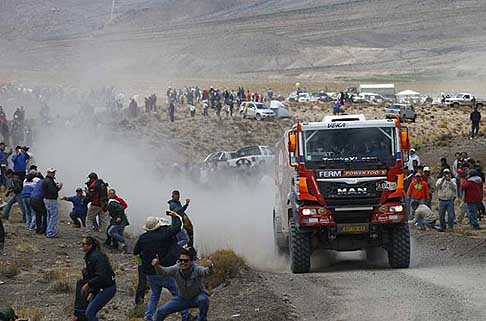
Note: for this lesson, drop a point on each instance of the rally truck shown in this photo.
(339, 186)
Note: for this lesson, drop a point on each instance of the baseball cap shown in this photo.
(446, 170)
(412, 149)
(426, 169)
(51, 170)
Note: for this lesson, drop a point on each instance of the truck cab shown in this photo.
(340, 187)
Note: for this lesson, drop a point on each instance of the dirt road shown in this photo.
(446, 283)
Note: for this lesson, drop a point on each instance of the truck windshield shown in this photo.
(350, 148)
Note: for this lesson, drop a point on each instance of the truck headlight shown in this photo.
(396, 208)
(309, 211)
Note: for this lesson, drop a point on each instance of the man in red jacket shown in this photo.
(473, 196)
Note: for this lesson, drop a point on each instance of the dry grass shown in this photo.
(61, 280)
(31, 314)
(25, 246)
(9, 269)
(227, 265)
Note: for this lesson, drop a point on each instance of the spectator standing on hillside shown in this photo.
(97, 195)
(171, 111)
(472, 186)
(113, 196)
(39, 207)
(413, 157)
(51, 194)
(14, 185)
(446, 192)
(19, 160)
(269, 95)
(176, 206)
(118, 223)
(430, 185)
(336, 107)
(444, 165)
(100, 287)
(418, 190)
(475, 118)
(159, 242)
(4, 155)
(29, 184)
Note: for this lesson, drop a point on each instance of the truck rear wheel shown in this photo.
(399, 250)
(300, 249)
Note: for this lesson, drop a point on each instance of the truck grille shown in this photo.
(339, 194)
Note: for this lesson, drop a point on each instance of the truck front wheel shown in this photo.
(399, 249)
(300, 249)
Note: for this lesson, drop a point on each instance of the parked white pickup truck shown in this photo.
(464, 99)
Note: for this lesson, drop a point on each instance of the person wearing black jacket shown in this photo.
(159, 242)
(15, 185)
(100, 287)
(51, 193)
(475, 118)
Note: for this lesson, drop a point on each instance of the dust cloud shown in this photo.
(226, 213)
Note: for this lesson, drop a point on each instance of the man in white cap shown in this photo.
(413, 156)
(51, 194)
(159, 242)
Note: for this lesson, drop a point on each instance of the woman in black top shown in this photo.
(100, 287)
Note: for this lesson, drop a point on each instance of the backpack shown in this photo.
(103, 191)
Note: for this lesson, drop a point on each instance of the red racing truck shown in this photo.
(340, 187)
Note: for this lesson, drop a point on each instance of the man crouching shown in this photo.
(189, 277)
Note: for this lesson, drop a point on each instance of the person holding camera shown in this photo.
(446, 191)
(159, 242)
(19, 160)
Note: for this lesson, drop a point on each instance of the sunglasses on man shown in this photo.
(183, 261)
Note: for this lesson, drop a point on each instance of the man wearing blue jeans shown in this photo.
(51, 194)
(189, 278)
(14, 187)
(446, 190)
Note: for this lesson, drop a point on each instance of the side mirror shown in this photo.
(405, 138)
(292, 148)
(292, 142)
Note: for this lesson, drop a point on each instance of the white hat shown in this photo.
(152, 223)
(426, 169)
(412, 149)
(446, 170)
(51, 170)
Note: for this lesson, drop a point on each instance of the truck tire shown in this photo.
(300, 249)
(455, 105)
(399, 250)
(280, 248)
(258, 117)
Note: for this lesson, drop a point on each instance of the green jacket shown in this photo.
(117, 213)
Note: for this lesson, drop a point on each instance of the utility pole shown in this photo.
(112, 9)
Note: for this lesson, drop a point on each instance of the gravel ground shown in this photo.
(446, 282)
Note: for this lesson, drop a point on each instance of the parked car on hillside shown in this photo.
(320, 97)
(464, 99)
(251, 156)
(371, 98)
(402, 111)
(219, 157)
(279, 109)
(255, 110)
(304, 98)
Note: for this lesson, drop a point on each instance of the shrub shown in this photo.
(227, 265)
(9, 269)
(60, 280)
(137, 311)
(31, 314)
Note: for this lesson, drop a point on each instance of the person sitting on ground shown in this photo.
(118, 223)
(423, 216)
(176, 206)
(193, 293)
(80, 208)
(101, 286)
